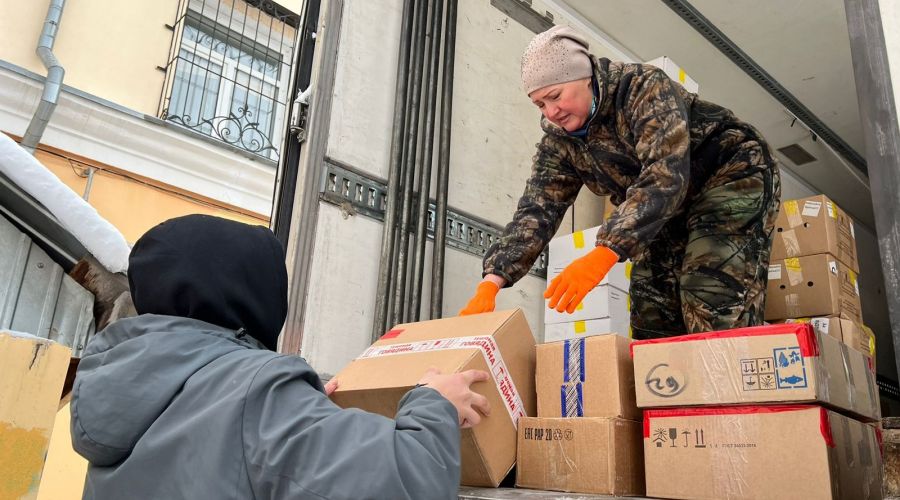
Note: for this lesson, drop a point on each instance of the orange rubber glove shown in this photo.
(483, 300)
(568, 289)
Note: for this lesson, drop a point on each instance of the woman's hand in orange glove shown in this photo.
(568, 289)
(485, 295)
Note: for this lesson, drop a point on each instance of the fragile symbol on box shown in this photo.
(758, 374)
(679, 439)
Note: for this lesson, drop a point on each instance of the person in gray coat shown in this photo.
(189, 401)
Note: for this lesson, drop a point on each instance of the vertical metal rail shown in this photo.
(379, 326)
(422, 216)
(412, 134)
(443, 177)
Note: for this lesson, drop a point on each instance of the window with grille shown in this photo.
(228, 70)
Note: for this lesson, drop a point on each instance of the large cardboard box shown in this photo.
(774, 452)
(500, 343)
(32, 371)
(757, 365)
(581, 455)
(587, 377)
(814, 285)
(814, 225)
(619, 323)
(562, 250)
(604, 301)
(675, 72)
(856, 335)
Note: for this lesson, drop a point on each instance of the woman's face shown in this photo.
(567, 105)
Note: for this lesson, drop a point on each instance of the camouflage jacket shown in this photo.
(651, 146)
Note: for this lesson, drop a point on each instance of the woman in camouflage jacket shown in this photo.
(696, 192)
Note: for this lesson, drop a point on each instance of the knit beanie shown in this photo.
(557, 55)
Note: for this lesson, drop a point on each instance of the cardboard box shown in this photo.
(32, 371)
(500, 343)
(587, 377)
(855, 335)
(618, 323)
(815, 285)
(583, 455)
(757, 365)
(774, 452)
(562, 250)
(675, 73)
(814, 225)
(604, 301)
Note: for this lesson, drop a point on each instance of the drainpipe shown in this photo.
(53, 82)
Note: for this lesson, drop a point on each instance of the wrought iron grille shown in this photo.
(228, 69)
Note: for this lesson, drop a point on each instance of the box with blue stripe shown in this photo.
(586, 377)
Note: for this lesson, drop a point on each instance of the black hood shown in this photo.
(215, 270)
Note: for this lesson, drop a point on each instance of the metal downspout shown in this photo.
(443, 177)
(53, 82)
(382, 301)
(433, 59)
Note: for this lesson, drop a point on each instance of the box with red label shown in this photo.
(815, 285)
(771, 452)
(500, 343)
(814, 225)
(757, 365)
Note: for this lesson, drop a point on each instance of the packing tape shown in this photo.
(794, 272)
(579, 326)
(792, 304)
(571, 395)
(792, 211)
(485, 344)
(791, 243)
(578, 239)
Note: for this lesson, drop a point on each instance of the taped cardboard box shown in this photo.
(814, 225)
(500, 343)
(32, 372)
(602, 302)
(771, 452)
(581, 455)
(856, 335)
(562, 250)
(758, 365)
(619, 322)
(587, 377)
(814, 285)
(675, 72)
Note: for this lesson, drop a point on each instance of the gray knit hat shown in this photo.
(557, 55)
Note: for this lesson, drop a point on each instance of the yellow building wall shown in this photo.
(134, 205)
(109, 48)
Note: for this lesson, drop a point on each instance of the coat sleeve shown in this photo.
(656, 118)
(298, 444)
(549, 192)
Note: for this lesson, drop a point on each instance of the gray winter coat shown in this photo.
(168, 407)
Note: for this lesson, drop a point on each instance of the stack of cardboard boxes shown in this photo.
(606, 309)
(587, 435)
(776, 411)
(814, 270)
